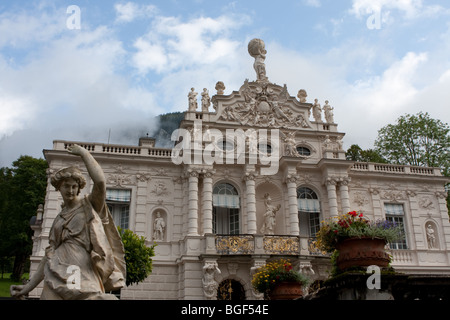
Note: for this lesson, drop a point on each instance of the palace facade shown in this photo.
(250, 178)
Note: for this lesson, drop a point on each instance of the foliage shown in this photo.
(138, 257)
(170, 121)
(416, 140)
(273, 273)
(22, 188)
(353, 224)
(355, 153)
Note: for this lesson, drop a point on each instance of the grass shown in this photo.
(5, 283)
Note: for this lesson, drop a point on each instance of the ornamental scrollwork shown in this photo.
(281, 245)
(240, 244)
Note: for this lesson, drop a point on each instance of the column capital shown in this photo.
(331, 181)
(291, 178)
(344, 181)
(249, 175)
(208, 173)
(192, 172)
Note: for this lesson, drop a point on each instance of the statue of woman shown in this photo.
(269, 215)
(85, 256)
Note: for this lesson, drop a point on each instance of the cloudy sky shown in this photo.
(105, 71)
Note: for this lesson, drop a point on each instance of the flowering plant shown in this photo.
(273, 273)
(354, 224)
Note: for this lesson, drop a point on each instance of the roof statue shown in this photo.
(256, 49)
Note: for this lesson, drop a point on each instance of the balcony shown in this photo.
(249, 244)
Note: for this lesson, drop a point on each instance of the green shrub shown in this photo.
(138, 257)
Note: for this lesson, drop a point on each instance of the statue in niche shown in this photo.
(317, 111)
(431, 237)
(206, 100)
(85, 256)
(269, 215)
(210, 285)
(158, 227)
(328, 112)
(256, 48)
(192, 97)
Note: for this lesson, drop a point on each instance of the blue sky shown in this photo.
(129, 61)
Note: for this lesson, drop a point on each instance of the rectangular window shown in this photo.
(309, 216)
(314, 223)
(118, 201)
(395, 213)
(225, 220)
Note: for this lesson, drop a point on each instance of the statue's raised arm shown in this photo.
(98, 194)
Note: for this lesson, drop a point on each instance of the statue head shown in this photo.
(69, 172)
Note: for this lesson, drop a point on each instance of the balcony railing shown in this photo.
(245, 244)
(395, 169)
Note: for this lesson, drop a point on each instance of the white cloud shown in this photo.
(172, 44)
(411, 9)
(312, 3)
(130, 11)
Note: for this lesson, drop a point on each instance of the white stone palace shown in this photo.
(251, 177)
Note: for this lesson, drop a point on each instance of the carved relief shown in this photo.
(159, 188)
(393, 195)
(331, 143)
(360, 198)
(119, 178)
(264, 106)
(210, 285)
(426, 203)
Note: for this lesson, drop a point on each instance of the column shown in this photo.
(193, 203)
(291, 182)
(207, 202)
(332, 197)
(345, 199)
(251, 202)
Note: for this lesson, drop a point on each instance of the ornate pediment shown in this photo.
(263, 104)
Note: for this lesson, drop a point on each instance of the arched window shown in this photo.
(230, 289)
(308, 211)
(226, 204)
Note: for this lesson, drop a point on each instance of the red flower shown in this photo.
(353, 213)
(360, 215)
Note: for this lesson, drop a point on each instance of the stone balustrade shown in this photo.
(116, 149)
(395, 169)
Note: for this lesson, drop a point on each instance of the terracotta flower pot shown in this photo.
(362, 252)
(286, 291)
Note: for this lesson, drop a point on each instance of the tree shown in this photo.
(23, 189)
(138, 257)
(355, 153)
(416, 140)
